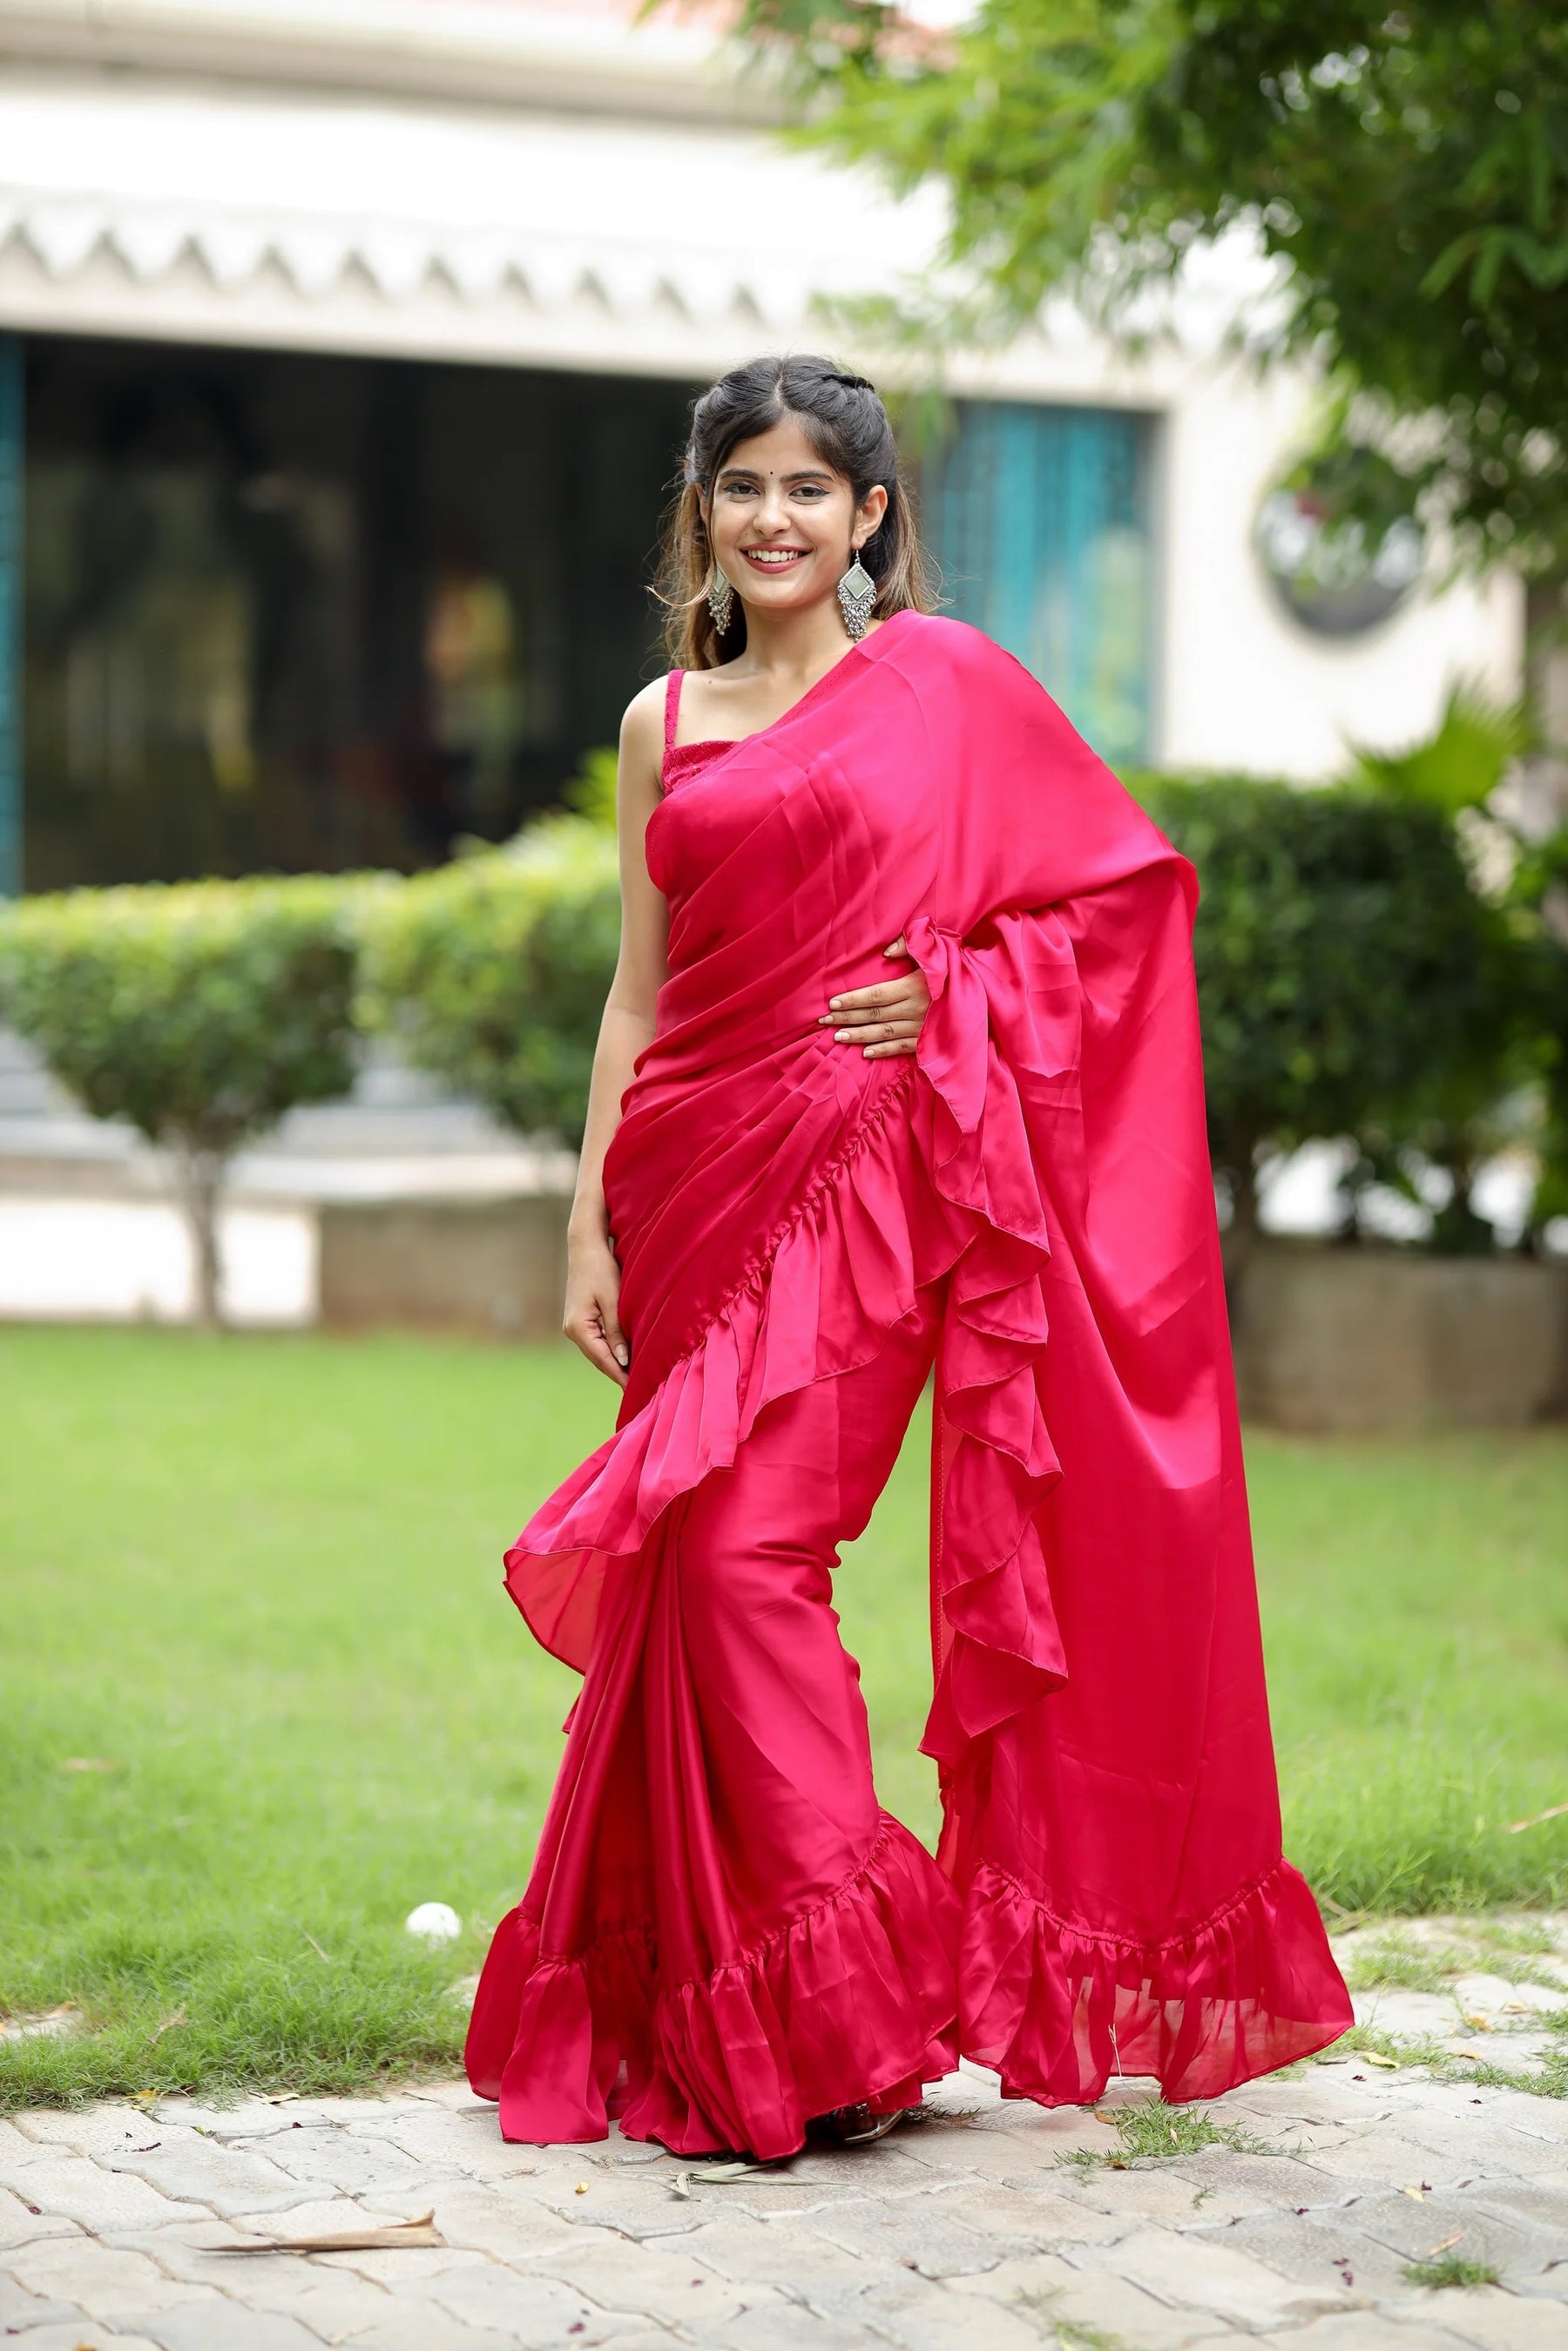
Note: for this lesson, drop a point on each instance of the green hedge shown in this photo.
(1351, 981)
(200, 1012)
(492, 972)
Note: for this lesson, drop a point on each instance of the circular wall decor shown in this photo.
(1340, 542)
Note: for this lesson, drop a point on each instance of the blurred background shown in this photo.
(345, 352)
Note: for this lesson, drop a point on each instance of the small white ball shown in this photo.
(437, 1921)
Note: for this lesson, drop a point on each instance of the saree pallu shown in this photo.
(1110, 1893)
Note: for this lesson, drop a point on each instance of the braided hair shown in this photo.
(847, 425)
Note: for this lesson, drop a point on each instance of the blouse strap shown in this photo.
(672, 708)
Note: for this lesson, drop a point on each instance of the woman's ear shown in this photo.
(868, 516)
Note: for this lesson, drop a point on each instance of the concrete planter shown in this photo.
(1362, 1338)
(494, 1267)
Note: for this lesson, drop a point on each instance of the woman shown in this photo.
(900, 1070)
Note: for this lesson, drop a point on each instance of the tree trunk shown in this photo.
(199, 1177)
(1545, 771)
(1239, 1237)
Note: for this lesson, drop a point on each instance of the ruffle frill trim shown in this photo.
(939, 1180)
(853, 1999)
(1058, 2010)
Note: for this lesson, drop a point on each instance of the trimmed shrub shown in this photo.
(201, 1012)
(493, 972)
(1351, 981)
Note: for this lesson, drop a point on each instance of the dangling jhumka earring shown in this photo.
(857, 594)
(720, 601)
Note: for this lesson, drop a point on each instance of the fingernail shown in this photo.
(824, 1020)
(621, 1358)
(834, 1003)
(843, 1036)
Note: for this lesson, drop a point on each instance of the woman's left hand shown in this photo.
(883, 1019)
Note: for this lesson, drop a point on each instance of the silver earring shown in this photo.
(720, 601)
(857, 594)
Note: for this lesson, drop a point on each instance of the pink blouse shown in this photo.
(684, 759)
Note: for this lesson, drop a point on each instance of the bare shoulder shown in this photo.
(642, 735)
(642, 725)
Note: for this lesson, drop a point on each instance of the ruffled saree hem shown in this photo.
(1059, 2010)
(853, 2000)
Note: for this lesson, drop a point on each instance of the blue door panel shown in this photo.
(1040, 521)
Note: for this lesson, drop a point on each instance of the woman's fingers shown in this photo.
(883, 1019)
(890, 999)
(614, 1337)
(593, 1326)
(592, 1342)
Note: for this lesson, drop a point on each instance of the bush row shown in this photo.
(1356, 982)
(1353, 983)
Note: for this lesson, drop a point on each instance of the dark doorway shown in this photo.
(286, 612)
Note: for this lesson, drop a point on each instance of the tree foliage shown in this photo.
(1407, 163)
(200, 1012)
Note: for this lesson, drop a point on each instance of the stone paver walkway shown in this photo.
(974, 2229)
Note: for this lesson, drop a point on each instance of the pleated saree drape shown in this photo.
(723, 1934)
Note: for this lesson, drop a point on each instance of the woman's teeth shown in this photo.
(772, 558)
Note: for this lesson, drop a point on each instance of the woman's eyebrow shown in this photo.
(753, 472)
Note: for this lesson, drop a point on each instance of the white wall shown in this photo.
(1241, 683)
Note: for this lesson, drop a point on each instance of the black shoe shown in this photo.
(856, 2126)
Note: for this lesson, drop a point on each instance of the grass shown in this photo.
(1148, 2131)
(259, 1578)
(1450, 2270)
(1396, 1962)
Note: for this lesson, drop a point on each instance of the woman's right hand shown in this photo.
(592, 1317)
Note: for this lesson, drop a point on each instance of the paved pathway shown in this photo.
(967, 2231)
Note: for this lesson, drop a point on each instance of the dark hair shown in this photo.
(848, 426)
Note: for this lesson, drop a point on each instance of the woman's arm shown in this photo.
(592, 1320)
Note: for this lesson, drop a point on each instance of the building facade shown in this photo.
(345, 352)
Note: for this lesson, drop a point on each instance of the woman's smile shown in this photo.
(773, 558)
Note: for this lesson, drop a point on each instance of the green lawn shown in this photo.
(260, 1578)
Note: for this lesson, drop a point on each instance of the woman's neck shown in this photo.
(795, 645)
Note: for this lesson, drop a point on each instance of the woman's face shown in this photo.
(781, 522)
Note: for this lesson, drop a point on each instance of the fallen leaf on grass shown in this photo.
(1418, 2192)
(1553, 1812)
(172, 2023)
(1371, 2057)
(48, 2025)
(88, 1763)
(422, 2232)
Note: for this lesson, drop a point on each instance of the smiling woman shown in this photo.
(805, 1184)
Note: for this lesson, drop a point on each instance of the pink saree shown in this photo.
(723, 1935)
